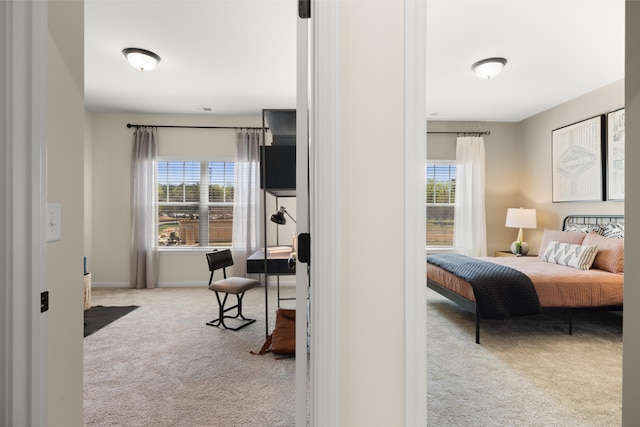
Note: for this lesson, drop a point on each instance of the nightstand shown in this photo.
(509, 253)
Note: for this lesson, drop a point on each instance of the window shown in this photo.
(441, 194)
(189, 192)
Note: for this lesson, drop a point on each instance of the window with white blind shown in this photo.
(195, 203)
(440, 183)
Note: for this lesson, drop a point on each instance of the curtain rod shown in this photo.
(484, 132)
(129, 125)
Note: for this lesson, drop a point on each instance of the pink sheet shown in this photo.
(556, 285)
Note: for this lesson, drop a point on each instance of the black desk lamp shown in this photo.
(279, 218)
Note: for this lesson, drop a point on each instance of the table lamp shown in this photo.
(520, 218)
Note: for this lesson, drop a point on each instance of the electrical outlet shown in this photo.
(53, 222)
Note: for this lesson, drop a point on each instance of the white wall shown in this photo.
(535, 159)
(111, 165)
(65, 185)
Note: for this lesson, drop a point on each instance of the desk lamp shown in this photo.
(279, 218)
(520, 218)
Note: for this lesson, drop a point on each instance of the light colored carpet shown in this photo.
(526, 372)
(161, 365)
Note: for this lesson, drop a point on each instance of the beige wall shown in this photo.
(111, 143)
(371, 256)
(65, 185)
(518, 165)
(631, 334)
(502, 179)
(535, 159)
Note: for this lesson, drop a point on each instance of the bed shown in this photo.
(557, 286)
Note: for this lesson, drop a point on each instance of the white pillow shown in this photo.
(576, 256)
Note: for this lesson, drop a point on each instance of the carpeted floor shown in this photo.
(526, 372)
(161, 365)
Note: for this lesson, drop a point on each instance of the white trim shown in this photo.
(325, 205)
(287, 283)
(124, 285)
(415, 20)
(302, 209)
(23, 95)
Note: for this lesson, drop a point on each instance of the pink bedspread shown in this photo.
(556, 285)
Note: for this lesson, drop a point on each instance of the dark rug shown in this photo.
(100, 316)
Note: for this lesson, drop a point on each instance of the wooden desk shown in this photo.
(277, 264)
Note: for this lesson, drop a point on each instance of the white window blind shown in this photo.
(440, 179)
(189, 192)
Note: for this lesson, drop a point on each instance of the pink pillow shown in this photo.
(570, 237)
(610, 256)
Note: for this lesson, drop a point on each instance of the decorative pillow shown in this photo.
(584, 228)
(610, 255)
(576, 256)
(560, 236)
(614, 230)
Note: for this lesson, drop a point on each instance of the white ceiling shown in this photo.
(238, 56)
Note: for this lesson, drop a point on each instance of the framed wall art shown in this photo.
(615, 155)
(577, 161)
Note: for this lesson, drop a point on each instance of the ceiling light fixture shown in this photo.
(489, 68)
(141, 59)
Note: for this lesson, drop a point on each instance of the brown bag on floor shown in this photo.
(282, 340)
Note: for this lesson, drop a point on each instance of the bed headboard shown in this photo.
(597, 223)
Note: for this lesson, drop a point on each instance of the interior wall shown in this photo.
(88, 185)
(502, 178)
(65, 185)
(371, 389)
(535, 159)
(631, 334)
(111, 159)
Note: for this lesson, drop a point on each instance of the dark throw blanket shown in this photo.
(499, 291)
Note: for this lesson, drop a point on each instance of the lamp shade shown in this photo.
(141, 59)
(279, 218)
(521, 218)
(488, 68)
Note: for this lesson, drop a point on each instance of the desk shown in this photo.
(277, 264)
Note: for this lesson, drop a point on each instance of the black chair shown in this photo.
(229, 285)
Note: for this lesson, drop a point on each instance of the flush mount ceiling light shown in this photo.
(489, 68)
(141, 59)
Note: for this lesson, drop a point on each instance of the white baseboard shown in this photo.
(272, 282)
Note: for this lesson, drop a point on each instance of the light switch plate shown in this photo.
(53, 223)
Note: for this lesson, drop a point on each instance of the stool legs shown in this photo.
(222, 310)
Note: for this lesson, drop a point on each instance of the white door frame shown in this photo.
(23, 127)
(302, 213)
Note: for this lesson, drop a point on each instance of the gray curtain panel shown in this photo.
(144, 209)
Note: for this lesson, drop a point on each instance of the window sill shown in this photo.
(172, 250)
(438, 250)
